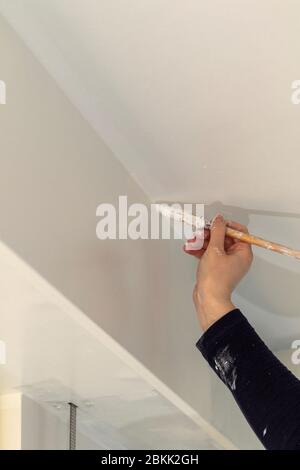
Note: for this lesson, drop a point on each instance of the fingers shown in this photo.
(199, 253)
(217, 233)
(196, 253)
(191, 247)
(237, 226)
(196, 243)
(239, 246)
(228, 243)
(216, 237)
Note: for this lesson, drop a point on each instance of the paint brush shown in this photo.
(199, 223)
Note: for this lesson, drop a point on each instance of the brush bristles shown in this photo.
(181, 216)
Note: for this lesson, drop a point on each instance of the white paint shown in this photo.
(180, 215)
(225, 368)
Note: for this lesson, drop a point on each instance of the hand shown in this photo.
(223, 263)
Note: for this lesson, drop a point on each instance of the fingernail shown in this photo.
(218, 218)
(187, 244)
(194, 245)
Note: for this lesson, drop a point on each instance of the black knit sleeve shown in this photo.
(267, 393)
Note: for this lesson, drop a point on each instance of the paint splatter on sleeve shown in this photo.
(267, 393)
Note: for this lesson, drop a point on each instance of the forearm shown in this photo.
(266, 392)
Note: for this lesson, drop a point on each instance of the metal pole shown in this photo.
(72, 434)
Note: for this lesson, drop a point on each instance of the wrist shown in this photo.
(212, 309)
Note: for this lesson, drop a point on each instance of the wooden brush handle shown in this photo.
(253, 240)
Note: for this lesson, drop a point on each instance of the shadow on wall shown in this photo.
(266, 281)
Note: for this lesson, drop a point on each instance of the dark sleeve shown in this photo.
(267, 393)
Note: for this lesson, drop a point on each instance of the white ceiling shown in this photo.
(193, 97)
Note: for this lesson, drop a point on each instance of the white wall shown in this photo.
(26, 425)
(54, 172)
(10, 421)
(45, 430)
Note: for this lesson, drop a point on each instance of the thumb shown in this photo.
(217, 233)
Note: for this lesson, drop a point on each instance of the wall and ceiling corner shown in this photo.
(163, 95)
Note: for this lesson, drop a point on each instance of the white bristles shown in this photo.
(180, 216)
